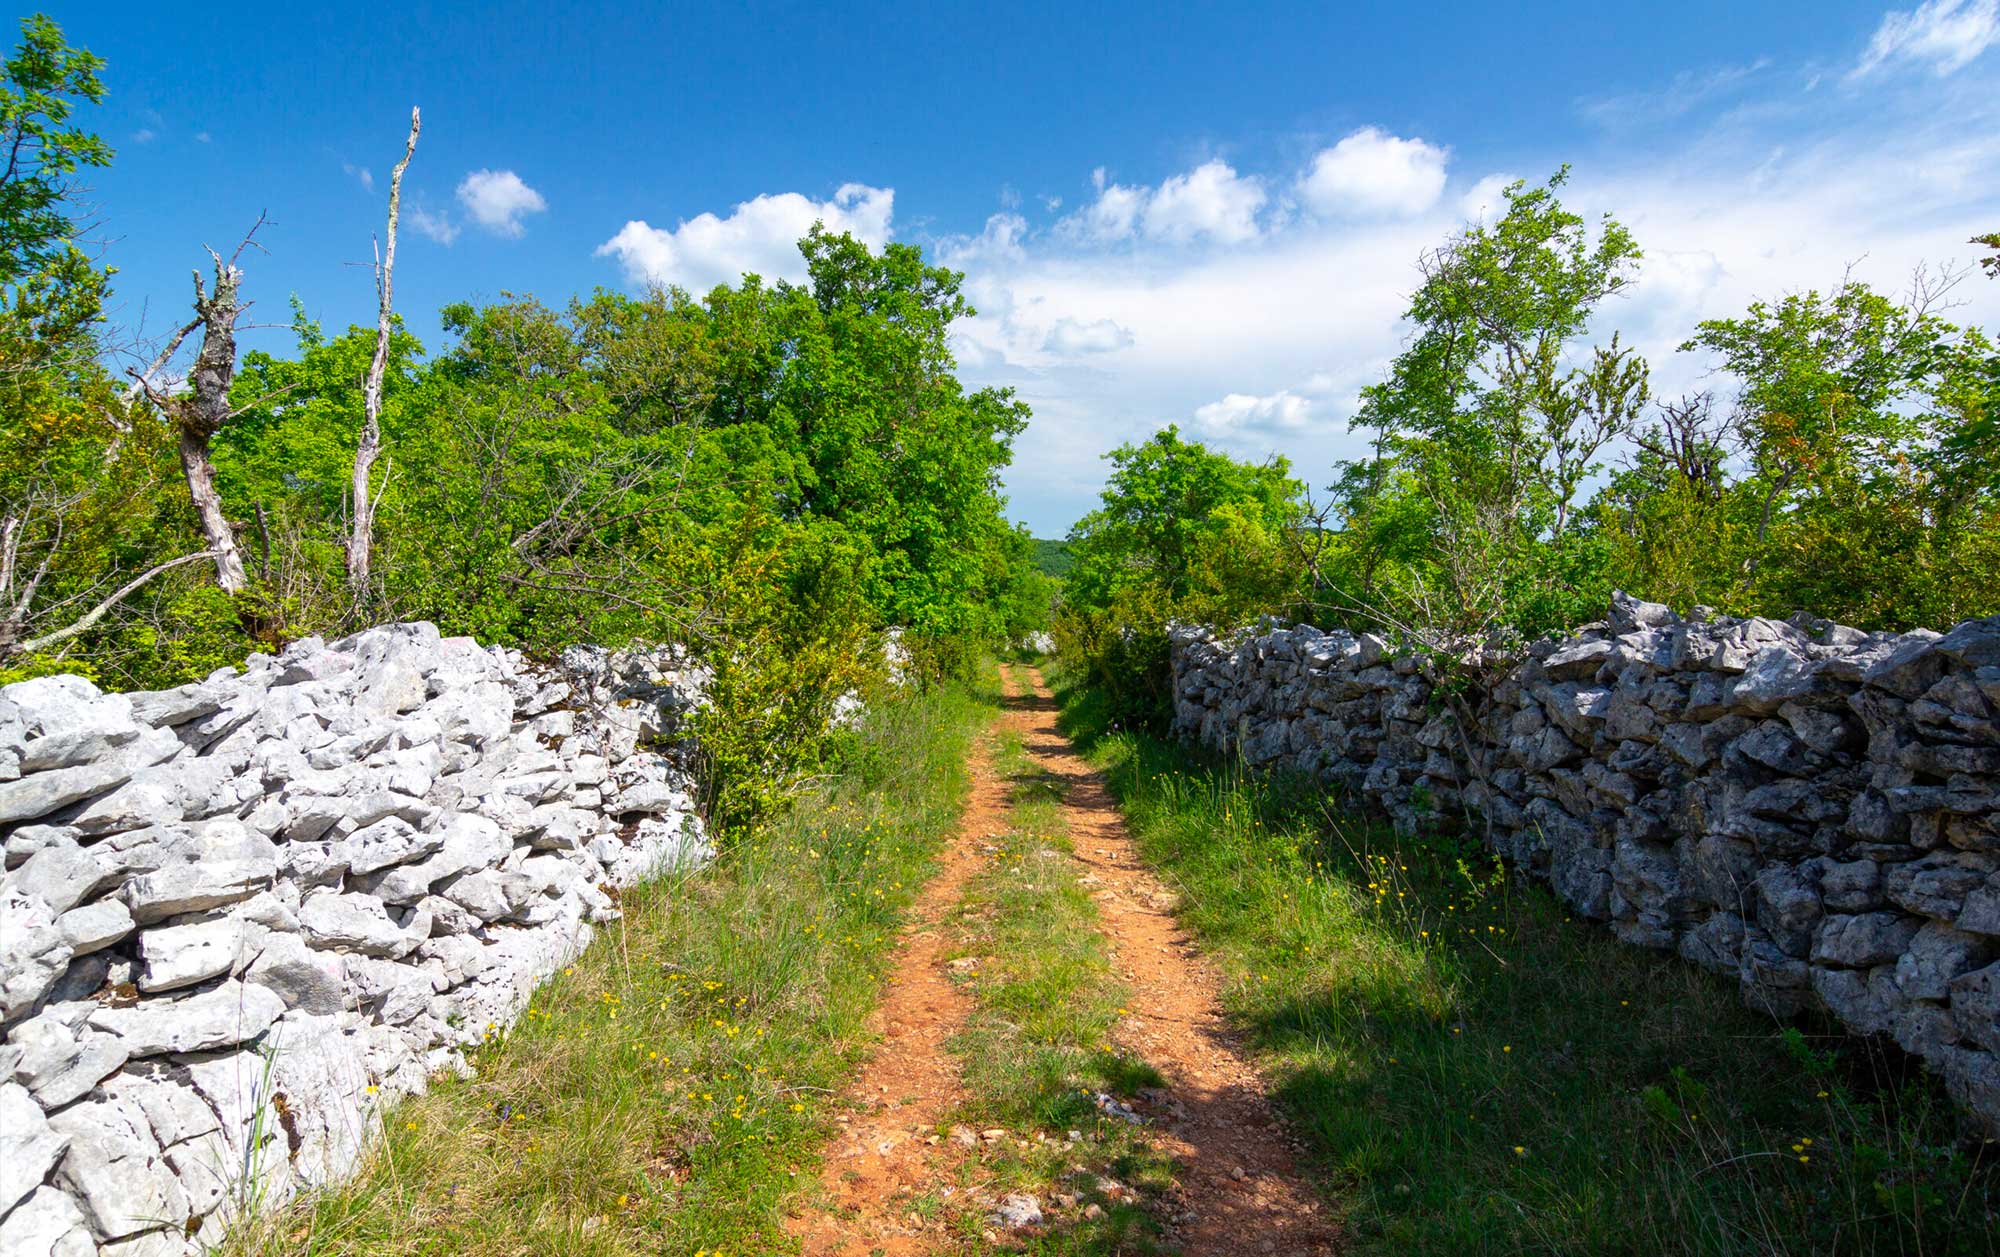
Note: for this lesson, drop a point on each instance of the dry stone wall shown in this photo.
(240, 917)
(1809, 809)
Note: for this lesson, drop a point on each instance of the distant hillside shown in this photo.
(1053, 557)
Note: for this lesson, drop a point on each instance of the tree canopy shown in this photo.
(770, 473)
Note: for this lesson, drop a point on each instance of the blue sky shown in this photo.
(1207, 217)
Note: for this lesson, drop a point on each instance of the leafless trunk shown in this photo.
(361, 540)
(200, 413)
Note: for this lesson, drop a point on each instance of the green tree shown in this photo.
(1163, 504)
(1870, 487)
(1182, 533)
(83, 527)
(44, 81)
(1491, 422)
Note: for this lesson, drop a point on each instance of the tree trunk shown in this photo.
(200, 415)
(361, 541)
(215, 527)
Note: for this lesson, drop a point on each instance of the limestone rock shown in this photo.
(48, 1224)
(29, 1149)
(115, 1171)
(358, 923)
(1863, 939)
(229, 1014)
(183, 955)
(182, 888)
(63, 876)
(61, 1058)
(33, 952)
(1938, 955)
(304, 978)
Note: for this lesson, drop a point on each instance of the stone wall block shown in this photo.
(1811, 807)
(310, 882)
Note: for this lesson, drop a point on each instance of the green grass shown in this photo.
(1474, 1072)
(1036, 1049)
(670, 1092)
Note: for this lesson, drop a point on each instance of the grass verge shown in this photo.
(667, 1092)
(1036, 1050)
(1479, 1073)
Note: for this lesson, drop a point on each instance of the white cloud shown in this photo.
(1264, 347)
(1000, 240)
(1689, 90)
(1111, 217)
(360, 174)
(1071, 337)
(1943, 34)
(438, 227)
(1243, 412)
(498, 199)
(203, 137)
(145, 135)
(760, 236)
(1109, 322)
(1210, 201)
(1486, 201)
(1374, 174)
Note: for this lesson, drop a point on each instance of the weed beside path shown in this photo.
(671, 1090)
(1474, 1072)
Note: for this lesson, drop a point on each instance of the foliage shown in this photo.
(768, 474)
(1869, 493)
(1487, 429)
(85, 504)
(44, 80)
(1520, 471)
(1053, 557)
(1184, 533)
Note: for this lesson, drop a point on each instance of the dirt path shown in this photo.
(1238, 1191)
(1236, 1187)
(882, 1160)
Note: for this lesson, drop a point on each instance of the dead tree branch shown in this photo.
(361, 540)
(90, 618)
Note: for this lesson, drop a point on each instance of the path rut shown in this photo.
(910, 1082)
(1237, 1186)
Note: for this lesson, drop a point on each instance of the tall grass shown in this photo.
(669, 1091)
(1478, 1073)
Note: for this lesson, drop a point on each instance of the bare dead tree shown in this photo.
(361, 540)
(200, 413)
(142, 379)
(1693, 439)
